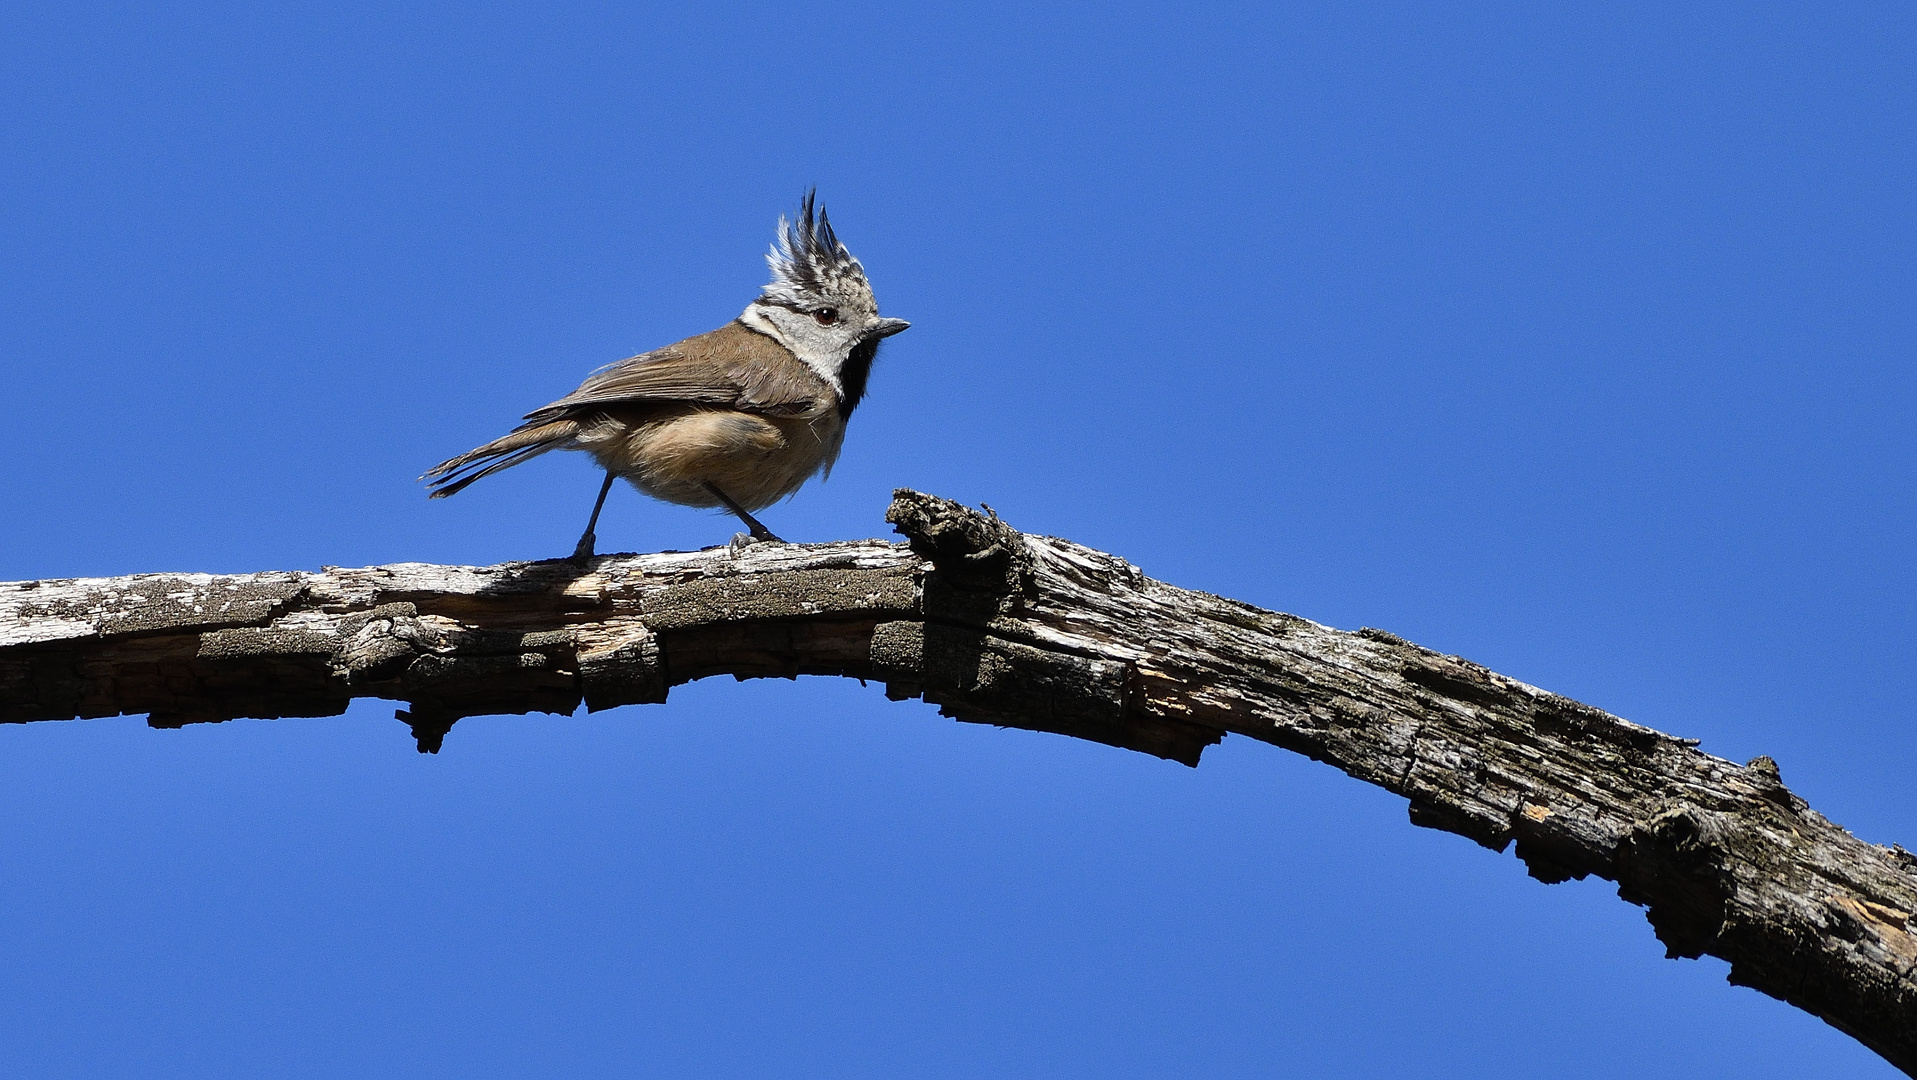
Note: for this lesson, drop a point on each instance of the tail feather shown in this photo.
(451, 476)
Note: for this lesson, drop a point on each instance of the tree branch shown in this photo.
(1032, 632)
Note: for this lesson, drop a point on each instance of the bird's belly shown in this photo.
(756, 460)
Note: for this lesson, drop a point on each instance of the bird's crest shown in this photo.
(807, 257)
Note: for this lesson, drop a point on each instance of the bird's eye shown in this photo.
(826, 316)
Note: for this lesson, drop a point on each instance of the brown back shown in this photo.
(731, 367)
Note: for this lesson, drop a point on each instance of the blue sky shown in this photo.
(1574, 341)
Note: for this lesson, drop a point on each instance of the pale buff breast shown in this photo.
(672, 454)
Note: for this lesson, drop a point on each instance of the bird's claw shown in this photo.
(583, 552)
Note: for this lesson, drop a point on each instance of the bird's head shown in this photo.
(820, 305)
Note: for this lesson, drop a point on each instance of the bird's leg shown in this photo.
(759, 532)
(584, 550)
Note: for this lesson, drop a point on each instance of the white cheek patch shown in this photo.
(824, 369)
(802, 339)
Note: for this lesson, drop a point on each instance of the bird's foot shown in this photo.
(742, 541)
(583, 552)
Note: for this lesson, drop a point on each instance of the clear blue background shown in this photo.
(1573, 340)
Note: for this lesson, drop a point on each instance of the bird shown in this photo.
(738, 418)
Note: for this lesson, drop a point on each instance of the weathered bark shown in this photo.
(1032, 632)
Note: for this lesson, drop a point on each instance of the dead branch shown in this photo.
(1000, 627)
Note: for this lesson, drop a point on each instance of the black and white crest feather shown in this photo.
(807, 257)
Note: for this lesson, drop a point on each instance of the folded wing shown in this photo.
(732, 368)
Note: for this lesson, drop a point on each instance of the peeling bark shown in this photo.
(999, 627)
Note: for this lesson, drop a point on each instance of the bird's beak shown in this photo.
(887, 327)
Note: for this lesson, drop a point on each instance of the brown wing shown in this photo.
(731, 367)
